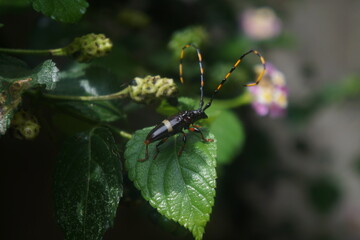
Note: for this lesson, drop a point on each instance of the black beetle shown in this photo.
(181, 121)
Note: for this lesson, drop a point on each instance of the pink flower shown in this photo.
(261, 23)
(270, 95)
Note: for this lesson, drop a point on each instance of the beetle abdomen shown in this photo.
(157, 133)
(167, 128)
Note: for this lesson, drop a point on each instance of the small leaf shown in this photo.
(85, 80)
(67, 11)
(183, 104)
(13, 69)
(46, 73)
(88, 184)
(230, 135)
(182, 188)
(15, 78)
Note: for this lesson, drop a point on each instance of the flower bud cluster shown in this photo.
(270, 95)
(88, 47)
(25, 125)
(151, 88)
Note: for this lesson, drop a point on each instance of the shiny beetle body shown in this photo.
(174, 125)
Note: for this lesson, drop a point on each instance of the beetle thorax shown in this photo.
(192, 116)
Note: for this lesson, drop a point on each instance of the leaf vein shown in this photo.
(193, 171)
(204, 197)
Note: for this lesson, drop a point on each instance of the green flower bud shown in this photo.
(88, 47)
(152, 88)
(25, 125)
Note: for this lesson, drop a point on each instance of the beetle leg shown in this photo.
(183, 146)
(195, 129)
(146, 151)
(157, 147)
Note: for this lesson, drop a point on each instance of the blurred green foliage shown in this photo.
(335, 93)
(196, 35)
(324, 194)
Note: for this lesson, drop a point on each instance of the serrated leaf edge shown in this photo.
(196, 230)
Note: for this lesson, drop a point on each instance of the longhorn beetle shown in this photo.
(181, 121)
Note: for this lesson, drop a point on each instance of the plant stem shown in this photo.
(120, 132)
(125, 134)
(119, 95)
(54, 52)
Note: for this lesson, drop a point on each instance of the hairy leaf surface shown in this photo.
(68, 11)
(88, 184)
(181, 188)
(13, 69)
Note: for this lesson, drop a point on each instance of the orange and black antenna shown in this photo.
(262, 60)
(183, 120)
(201, 71)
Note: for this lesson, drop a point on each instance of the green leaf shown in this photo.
(98, 111)
(88, 184)
(88, 80)
(67, 11)
(184, 103)
(15, 78)
(46, 74)
(230, 135)
(13, 69)
(182, 188)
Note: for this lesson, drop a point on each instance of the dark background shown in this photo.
(297, 177)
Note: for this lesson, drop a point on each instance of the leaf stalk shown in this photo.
(53, 52)
(118, 95)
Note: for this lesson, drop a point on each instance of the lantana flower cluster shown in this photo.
(270, 95)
